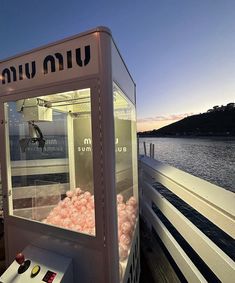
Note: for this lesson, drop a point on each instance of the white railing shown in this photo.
(213, 202)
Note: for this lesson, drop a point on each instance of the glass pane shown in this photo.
(126, 172)
(51, 160)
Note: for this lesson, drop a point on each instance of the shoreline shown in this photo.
(231, 137)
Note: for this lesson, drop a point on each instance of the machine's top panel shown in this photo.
(71, 58)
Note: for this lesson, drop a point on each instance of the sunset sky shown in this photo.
(181, 53)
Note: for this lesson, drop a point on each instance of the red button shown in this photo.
(20, 258)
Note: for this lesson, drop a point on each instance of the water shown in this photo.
(212, 159)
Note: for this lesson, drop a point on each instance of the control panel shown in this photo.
(36, 265)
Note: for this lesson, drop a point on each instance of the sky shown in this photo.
(180, 53)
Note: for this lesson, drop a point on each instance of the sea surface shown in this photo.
(212, 159)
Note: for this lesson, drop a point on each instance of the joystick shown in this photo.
(24, 264)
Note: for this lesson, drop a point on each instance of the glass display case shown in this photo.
(69, 164)
(44, 129)
(126, 172)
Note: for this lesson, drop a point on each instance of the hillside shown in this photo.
(211, 123)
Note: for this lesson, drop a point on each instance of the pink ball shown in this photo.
(132, 201)
(66, 222)
(122, 213)
(60, 223)
(81, 221)
(83, 201)
(78, 191)
(133, 217)
(71, 226)
(77, 203)
(73, 210)
(119, 198)
(135, 212)
(90, 205)
(129, 209)
(87, 195)
(120, 221)
(74, 217)
(78, 228)
(126, 228)
(63, 213)
(123, 252)
(51, 214)
(66, 201)
(90, 222)
(56, 209)
(81, 196)
(121, 206)
(122, 216)
(82, 209)
(62, 204)
(74, 199)
(69, 193)
(125, 239)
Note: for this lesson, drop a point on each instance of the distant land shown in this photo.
(218, 121)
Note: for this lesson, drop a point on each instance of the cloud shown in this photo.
(157, 122)
(173, 117)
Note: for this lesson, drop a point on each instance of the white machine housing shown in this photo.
(95, 258)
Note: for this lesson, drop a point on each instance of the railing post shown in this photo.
(145, 153)
(151, 150)
(143, 198)
(138, 146)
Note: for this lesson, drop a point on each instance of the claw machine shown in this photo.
(69, 163)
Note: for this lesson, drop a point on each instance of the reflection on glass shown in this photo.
(126, 172)
(51, 160)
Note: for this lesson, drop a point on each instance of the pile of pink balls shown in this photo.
(127, 215)
(76, 212)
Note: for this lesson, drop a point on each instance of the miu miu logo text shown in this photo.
(51, 63)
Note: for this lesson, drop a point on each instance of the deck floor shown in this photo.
(155, 266)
